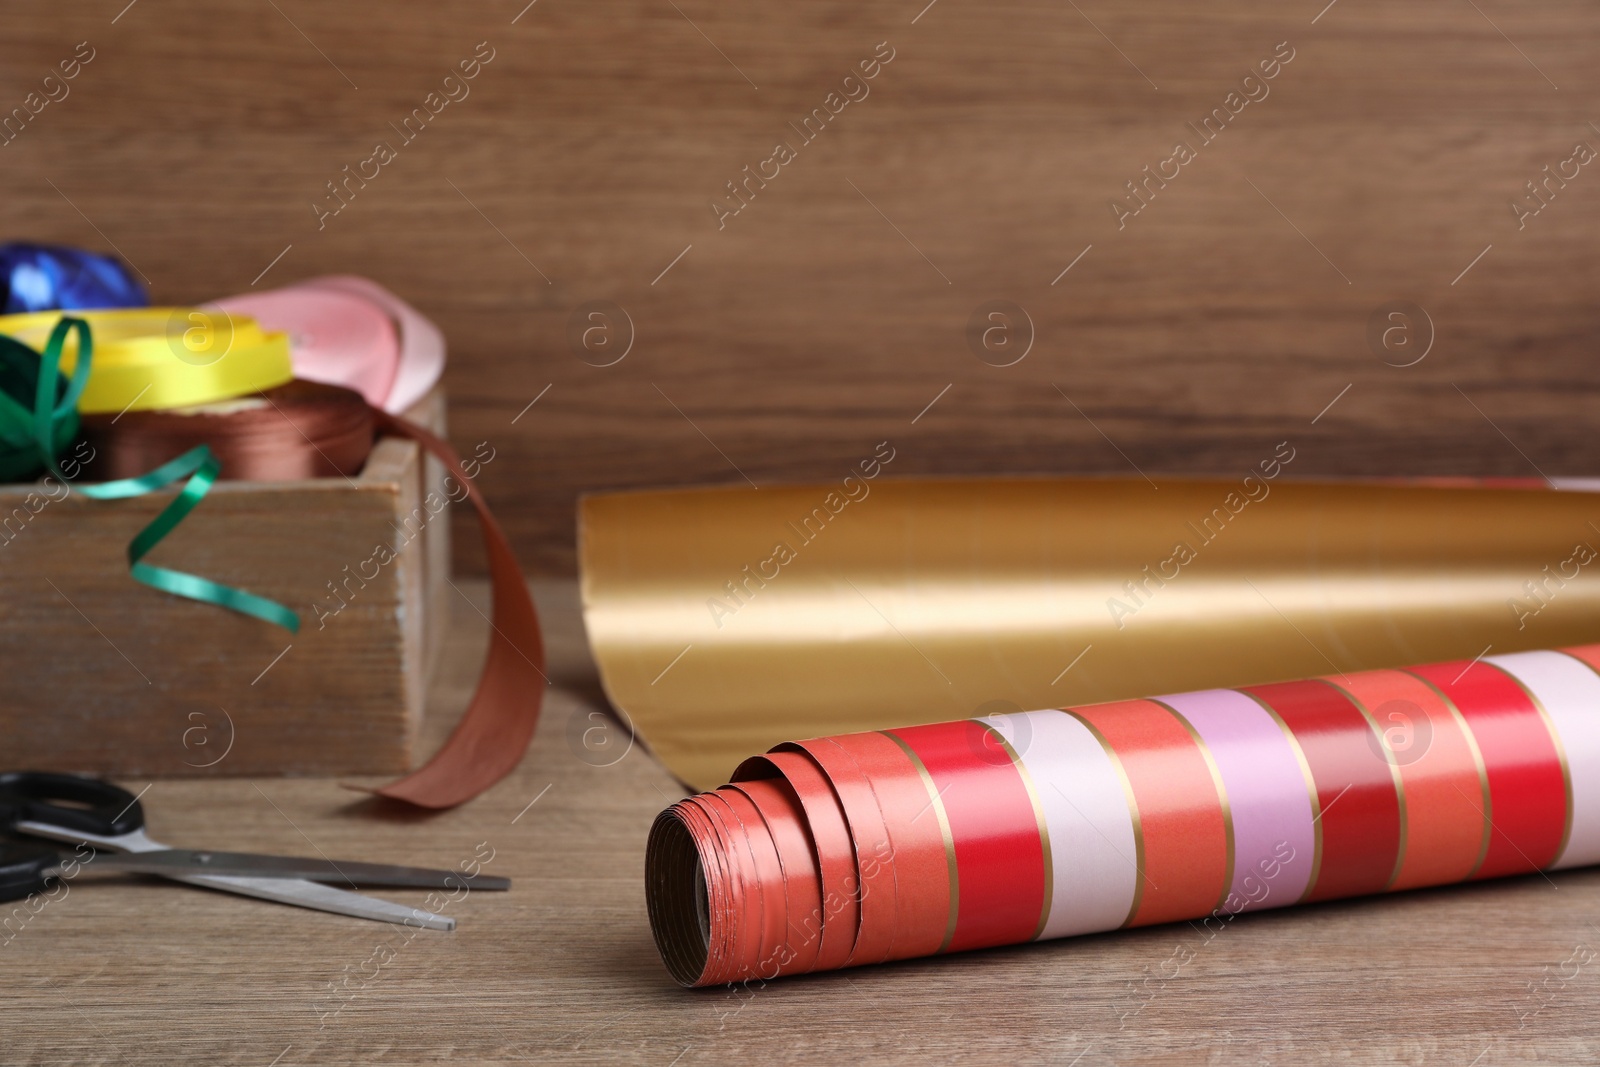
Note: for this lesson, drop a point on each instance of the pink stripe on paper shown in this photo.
(1274, 838)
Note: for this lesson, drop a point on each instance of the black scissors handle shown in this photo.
(26, 870)
(69, 801)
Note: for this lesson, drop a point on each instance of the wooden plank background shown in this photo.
(582, 162)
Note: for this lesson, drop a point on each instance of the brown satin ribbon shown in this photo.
(494, 731)
(299, 430)
(306, 430)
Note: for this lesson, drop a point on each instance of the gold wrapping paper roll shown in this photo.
(727, 620)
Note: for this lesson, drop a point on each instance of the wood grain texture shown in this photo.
(834, 307)
(162, 685)
(562, 968)
(104, 674)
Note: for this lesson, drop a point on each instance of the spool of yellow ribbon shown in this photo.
(152, 358)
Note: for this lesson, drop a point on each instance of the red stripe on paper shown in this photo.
(1180, 814)
(999, 856)
(1527, 793)
(1360, 808)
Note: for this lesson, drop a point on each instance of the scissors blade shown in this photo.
(303, 894)
(253, 865)
(296, 892)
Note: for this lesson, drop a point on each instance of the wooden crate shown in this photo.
(104, 674)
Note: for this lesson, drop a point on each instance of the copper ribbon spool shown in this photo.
(296, 431)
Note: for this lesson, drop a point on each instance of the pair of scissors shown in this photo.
(88, 811)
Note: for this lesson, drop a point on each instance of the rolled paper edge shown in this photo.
(835, 922)
(675, 893)
(724, 892)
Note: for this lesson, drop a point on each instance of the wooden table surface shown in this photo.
(562, 968)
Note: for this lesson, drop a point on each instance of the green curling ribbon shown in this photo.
(20, 447)
(30, 440)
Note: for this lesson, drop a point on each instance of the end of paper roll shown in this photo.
(760, 878)
(731, 878)
(676, 890)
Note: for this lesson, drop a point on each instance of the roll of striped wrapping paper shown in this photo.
(870, 847)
